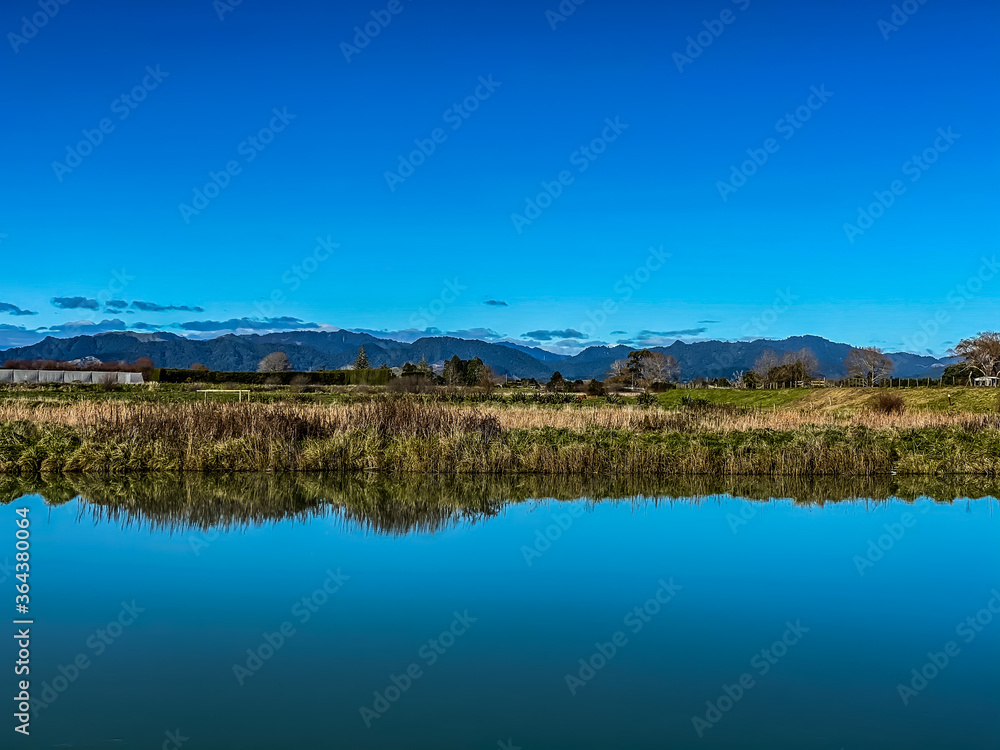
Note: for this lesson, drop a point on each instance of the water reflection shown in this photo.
(397, 505)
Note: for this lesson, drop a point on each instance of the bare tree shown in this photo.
(619, 370)
(656, 367)
(766, 362)
(869, 364)
(454, 370)
(807, 360)
(486, 381)
(738, 380)
(788, 367)
(645, 367)
(275, 362)
(981, 353)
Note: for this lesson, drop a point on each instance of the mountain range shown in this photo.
(312, 350)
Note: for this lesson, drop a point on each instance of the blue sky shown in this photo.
(502, 169)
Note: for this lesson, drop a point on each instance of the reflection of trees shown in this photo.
(400, 504)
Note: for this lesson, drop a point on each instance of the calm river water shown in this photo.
(316, 613)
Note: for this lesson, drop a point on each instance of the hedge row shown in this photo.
(327, 377)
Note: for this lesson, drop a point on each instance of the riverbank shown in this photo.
(403, 435)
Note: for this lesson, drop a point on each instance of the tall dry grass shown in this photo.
(409, 418)
(226, 421)
(406, 435)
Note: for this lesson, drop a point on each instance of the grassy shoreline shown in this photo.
(404, 435)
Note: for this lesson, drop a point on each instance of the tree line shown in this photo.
(979, 356)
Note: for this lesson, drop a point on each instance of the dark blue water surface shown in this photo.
(718, 623)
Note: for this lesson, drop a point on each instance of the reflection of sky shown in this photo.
(505, 677)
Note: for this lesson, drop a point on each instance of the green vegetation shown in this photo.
(327, 388)
(744, 399)
(405, 434)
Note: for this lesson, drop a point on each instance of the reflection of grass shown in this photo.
(396, 504)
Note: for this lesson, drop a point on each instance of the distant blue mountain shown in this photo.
(542, 355)
(311, 350)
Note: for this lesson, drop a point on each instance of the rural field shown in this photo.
(684, 432)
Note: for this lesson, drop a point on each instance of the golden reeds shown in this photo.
(401, 434)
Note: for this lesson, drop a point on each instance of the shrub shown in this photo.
(661, 386)
(693, 401)
(413, 383)
(888, 403)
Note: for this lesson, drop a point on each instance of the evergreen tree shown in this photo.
(361, 363)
